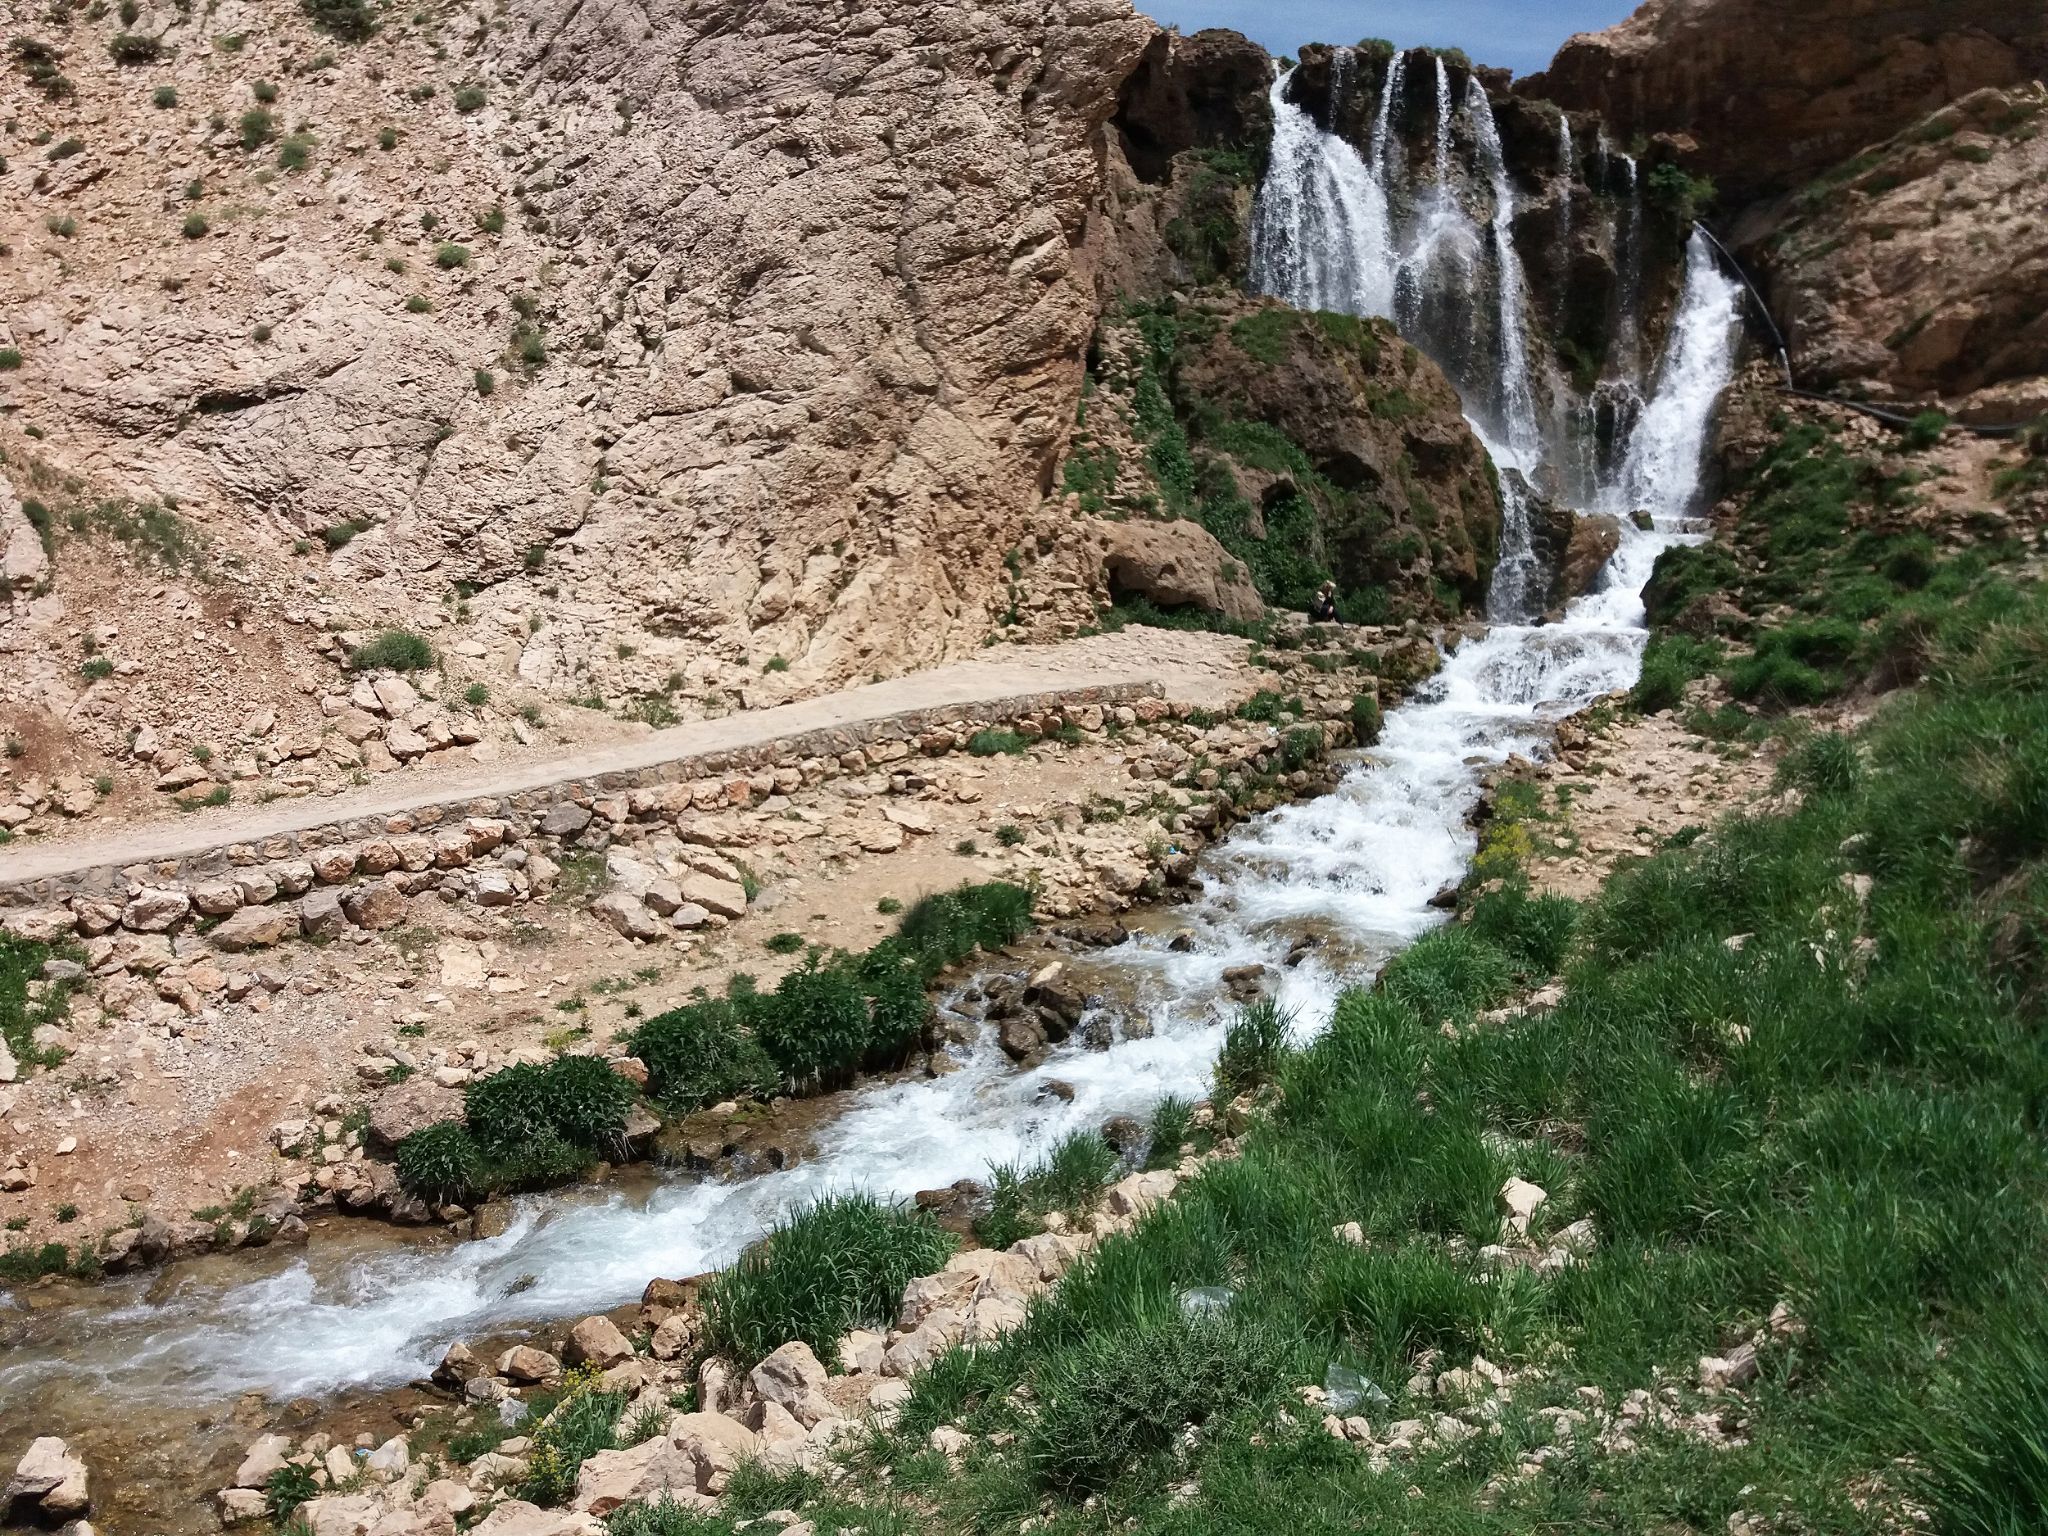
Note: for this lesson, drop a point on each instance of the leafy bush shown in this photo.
(195, 226)
(698, 1055)
(353, 21)
(1925, 431)
(289, 1487)
(991, 743)
(470, 98)
(130, 48)
(164, 97)
(257, 128)
(442, 1164)
(1536, 931)
(398, 650)
(838, 1264)
(448, 255)
(1253, 1044)
(1128, 1393)
(578, 1099)
(814, 1026)
(1670, 662)
(945, 928)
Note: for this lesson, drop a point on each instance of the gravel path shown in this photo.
(1194, 667)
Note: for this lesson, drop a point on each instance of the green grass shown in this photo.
(1070, 1178)
(838, 1264)
(525, 1127)
(993, 743)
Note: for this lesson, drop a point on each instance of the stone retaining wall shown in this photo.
(356, 871)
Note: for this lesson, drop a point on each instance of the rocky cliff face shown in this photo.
(705, 336)
(1917, 272)
(1775, 93)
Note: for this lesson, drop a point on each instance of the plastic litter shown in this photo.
(1346, 1391)
(1206, 1300)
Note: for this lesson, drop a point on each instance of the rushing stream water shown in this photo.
(1355, 868)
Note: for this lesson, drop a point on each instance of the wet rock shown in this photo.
(49, 1483)
(1124, 1132)
(458, 1367)
(1021, 1038)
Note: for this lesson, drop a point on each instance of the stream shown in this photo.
(1356, 869)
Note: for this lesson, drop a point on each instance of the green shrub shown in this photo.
(1126, 1394)
(1069, 1178)
(129, 48)
(398, 650)
(990, 743)
(1535, 931)
(10, 359)
(195, 225)
(289, 1487)
(814, 1026)
(578, 1099)
(1685, 575)
(945, 928)
(486, 382)
(449, 255)
(442, 1164)
(164, 97)
(263, 91)
(257, 128)
(296, 152)
(1825, 764)
(470, 98)
(1796, 663)
(1670, 663)
(417, 304)
(698, 1055)
(1926, 430)
(665, 1517)
(583, 1423)
(838, 1264)
(353, 21)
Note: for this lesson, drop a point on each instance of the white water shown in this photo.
(1356, 868)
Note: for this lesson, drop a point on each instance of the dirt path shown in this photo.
(1193, 667)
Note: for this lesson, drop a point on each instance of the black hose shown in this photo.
(1890, 416)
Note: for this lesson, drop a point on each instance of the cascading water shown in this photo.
(1355, 868)
(1321, 201)
(1567, 178)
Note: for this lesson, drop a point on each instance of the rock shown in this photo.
(517, 1518)
(723, 898)
(321, 915)
(1723, 1373)
(793, 1377)
(716, 1443)
(49, 1482)
(673, 1338)
(1769, 95)
(391, 1460)
(254, 928)
(154, 910)
(407, 1107)
(1174, 565)
(240, 1506)
(596, 1341)
(458, 1366)
(523, 1363)
(376, 906)
(40, 925)
(266, 1456)
(565, 819)
(628, 916)
(1519, 1200)
(643, 1474)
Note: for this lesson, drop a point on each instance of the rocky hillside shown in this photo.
(1918, 270)
(1774, 94)
(554, 356)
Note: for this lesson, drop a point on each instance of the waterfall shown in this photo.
(1567, 177)
(1321, 232)
(1343, 66)
(1337, 230)
(1662, 471)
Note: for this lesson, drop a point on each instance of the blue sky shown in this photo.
(1519, 34)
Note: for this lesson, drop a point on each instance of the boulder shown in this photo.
(793, 1377)
(49, 1482)
(717, 1445)
(646, 1473)
(1173, 565)
(596, 1341)
(628, 916)
(241, 1506)
(724, 898)
(254, 928)
(321, 915)
(266, 1456)
(375, 906)
(523, 1363)
(410, 1106)
(155, 910)
(517, 1518)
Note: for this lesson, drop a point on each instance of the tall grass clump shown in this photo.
(1070, 1178)
(1252, 1046)
(702, 1054)
(838, 1264)
(399, 650)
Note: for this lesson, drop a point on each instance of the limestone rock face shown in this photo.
(1921, 275)
(1175, 564)
(1775, 93)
